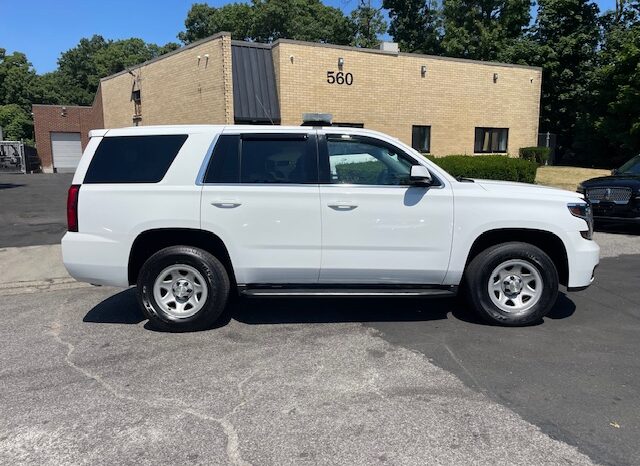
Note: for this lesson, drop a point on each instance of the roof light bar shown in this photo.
(317, 119)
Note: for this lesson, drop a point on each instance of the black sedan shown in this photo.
(615, 198)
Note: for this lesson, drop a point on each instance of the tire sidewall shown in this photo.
(499, 255)
(205, 264)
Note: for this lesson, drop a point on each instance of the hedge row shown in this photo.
(491, 167)
(536, 154)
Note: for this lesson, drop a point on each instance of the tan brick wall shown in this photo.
(389, 94)
(176, 89)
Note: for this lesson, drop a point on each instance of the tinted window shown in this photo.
(225, 162)
(491, 140)
(632, 167)
(363, 161)
(133, 159)
(421, 138)
(290, 161)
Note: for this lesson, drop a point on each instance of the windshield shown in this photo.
(632, 167)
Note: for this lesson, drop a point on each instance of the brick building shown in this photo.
(439, 105)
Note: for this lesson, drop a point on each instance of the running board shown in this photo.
(347, 292)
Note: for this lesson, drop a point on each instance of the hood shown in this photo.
(511, 188)
(632, 181)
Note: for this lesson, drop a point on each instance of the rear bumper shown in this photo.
(95, 259)
(583, 257)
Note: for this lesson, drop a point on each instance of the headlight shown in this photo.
(584, 212)
(580, 188)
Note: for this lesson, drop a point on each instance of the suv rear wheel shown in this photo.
(512, 284)
(183, 288)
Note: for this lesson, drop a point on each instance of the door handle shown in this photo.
(226, 203)
(339, 205)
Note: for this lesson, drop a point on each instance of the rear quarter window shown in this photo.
(134, 159)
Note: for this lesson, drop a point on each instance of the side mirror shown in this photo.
(420, 175)
(614, 171)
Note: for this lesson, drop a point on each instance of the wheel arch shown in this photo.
(547, 241)
(149, 242)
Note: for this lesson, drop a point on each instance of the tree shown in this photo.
(608, 127)
(416, 25)
(81, 68)
(16, 123)
(568, 31)
(17, 77)
(481, 29)
(368, 24)
(203, 21)
(307, 20)
(269, 20)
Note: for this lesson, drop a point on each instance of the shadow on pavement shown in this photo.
(122, 308)
(618, 228)
(10, 185)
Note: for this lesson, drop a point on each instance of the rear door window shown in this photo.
(134, 159)
(264, 159)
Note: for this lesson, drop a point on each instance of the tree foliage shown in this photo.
(80, 68)
(481, 29)
(416, 25)
(608, 126)
(203, 21)
(368, 25)
(16, 123)
(269, 20)
(17, 79)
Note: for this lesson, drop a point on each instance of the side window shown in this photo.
(491, 140)
(225, 162)
(421, 138)
(354, 160)
(134, 159)
(273, 160)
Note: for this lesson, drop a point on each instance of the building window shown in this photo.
(491, 140)
(421, 138)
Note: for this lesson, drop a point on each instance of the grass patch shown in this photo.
(567, 177)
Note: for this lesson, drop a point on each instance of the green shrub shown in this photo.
(491, 167)
(535, 154)
(359, 172)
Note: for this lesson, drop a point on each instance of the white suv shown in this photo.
(192, 214)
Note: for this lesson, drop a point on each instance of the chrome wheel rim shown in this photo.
(180, 291)
(515, 286)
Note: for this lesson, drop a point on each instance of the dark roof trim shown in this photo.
(244, 43)
(174, 52)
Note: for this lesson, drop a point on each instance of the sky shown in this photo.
(42, 29)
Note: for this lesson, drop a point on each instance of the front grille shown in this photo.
(615, 195)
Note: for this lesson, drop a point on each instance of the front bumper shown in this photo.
(583, 256)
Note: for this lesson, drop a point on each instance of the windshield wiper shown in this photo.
(463, 179)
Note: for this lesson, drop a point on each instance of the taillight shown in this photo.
(72, 207)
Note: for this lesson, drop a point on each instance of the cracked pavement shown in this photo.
(83, 381)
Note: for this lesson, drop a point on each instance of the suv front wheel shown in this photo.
(183, 288)
(512, 284)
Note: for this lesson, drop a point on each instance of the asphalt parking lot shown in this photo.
(84, 379)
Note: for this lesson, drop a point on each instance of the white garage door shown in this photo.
(67, 150)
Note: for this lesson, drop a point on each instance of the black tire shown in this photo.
(477, 281)
(216, 281)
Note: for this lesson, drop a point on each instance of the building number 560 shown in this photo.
(339, 78)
